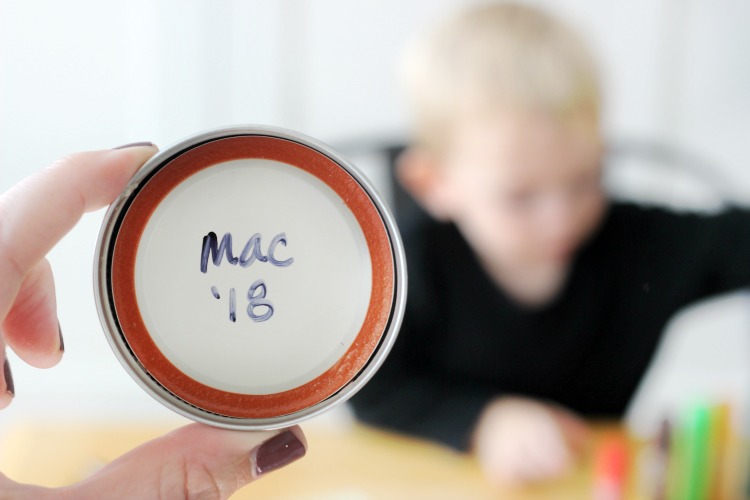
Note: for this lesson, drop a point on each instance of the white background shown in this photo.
(83, 74)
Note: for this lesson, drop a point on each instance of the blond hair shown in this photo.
(499, 57)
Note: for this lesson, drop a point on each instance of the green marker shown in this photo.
(676, 480)
(698, 453)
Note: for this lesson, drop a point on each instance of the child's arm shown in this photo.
(728, 259)
(411, 393)
(407, 396)
(516, 439)
(693, 256)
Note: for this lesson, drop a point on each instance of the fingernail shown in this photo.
(277, 452)
(59, 332)
(8, 378)
(136, 145)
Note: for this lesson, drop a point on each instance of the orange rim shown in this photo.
(129, 316)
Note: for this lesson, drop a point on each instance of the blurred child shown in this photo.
(533, 301)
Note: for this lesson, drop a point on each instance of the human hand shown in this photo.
(196, 461)
(520, 440)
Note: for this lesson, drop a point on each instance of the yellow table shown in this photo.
(351, 463)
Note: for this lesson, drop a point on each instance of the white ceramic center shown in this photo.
(317, 277)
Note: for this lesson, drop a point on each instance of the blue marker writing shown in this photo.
(216, 250)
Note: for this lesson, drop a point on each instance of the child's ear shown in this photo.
(418, 171)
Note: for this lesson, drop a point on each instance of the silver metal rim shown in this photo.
(137, 371)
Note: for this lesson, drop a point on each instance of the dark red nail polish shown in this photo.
(59, 332)
(11, 388)
(277, 452)
(136, 144)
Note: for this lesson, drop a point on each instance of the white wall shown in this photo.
(83, 74)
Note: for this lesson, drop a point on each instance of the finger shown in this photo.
(36, 213)
(502, 463)
(540, 453)
(10, 489)
(508, 469)
(513, 467)
(557, 455)
(31, 328)
(196, 461)
(541, 459)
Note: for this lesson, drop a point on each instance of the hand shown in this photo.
(196, 461)
(520, 440)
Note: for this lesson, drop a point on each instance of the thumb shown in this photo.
(196, 461)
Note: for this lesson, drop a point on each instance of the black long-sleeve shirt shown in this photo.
(464, 341)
